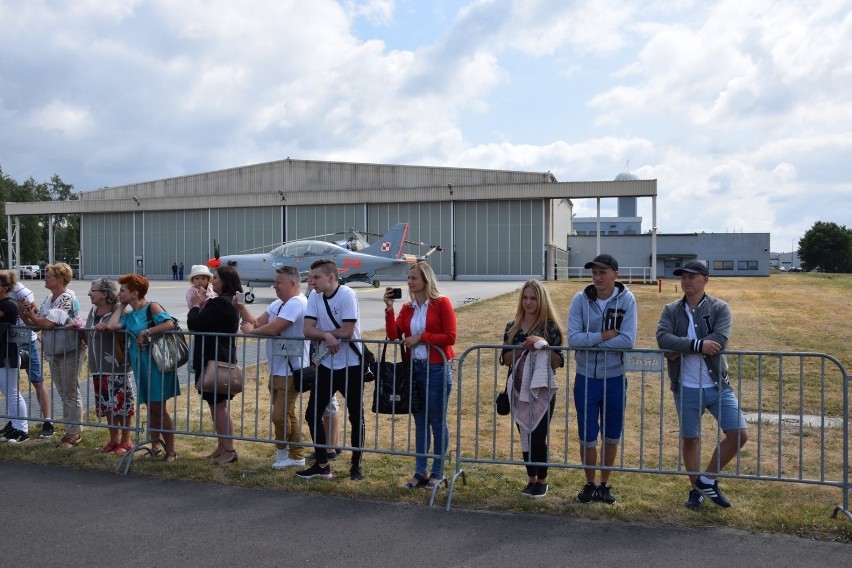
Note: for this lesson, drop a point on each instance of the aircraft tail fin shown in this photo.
(390, 245)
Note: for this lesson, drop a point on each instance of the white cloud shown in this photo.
(739, 109)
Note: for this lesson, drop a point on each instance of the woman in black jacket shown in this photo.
(221, 317)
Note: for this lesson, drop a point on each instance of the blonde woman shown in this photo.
(60, 309)
(534, 328)
(427, 320)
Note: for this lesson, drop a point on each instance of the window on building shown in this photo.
(747, 265)
(723, 265)
(613, 233)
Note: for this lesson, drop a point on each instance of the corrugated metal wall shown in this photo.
(106, 241)
(499, 239)
(291, 175)
(429, 222)
(315, 220)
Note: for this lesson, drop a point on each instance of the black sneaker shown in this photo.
(329, 454)
(355, 473)
(712, 491)
(6, 429)
(587, 493)
(315, 471)
(695, 499)
(47, 430)
(17, 436)
(527, 491)
(539, 490)
(604, 493)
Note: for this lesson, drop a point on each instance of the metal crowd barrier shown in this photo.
(796, 405)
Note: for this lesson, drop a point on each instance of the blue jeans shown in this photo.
(436, 382)
(34, 370)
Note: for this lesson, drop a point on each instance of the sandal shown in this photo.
(227, 456)
(433, 482)
(214, 454)
(156, 448)
(109, 447)
(122, 449)
(419, 480)
(170, 457)
(70, 440)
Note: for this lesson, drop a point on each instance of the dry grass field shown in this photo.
(786, 312)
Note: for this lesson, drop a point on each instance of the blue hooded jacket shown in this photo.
(586, 322)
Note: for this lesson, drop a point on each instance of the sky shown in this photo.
(742, 111)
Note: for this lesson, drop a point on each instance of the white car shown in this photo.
(30, 271)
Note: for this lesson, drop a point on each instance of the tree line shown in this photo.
(33, 235)
(826, 247)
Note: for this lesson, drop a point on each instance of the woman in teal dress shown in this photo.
(153, 387)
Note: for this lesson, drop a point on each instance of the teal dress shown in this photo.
(151, 384)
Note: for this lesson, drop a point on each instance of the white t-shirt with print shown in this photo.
(293, 310)
(344, 307)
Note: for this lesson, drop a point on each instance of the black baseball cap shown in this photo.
(603, 261)
(693, 266)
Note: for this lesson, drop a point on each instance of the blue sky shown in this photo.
(739, 110)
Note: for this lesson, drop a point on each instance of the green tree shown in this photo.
(34, 229)
(827, 246)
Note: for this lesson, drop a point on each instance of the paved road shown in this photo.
(85, 518)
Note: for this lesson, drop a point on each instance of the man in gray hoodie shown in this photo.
(695, 330)
(603, 317)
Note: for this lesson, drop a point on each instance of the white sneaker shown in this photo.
(294, 463)
(281, 459)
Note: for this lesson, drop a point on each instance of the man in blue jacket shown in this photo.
(695, 330)
(602, 316)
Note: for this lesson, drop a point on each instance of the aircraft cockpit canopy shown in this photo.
(307, 248)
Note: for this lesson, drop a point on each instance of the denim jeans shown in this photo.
(436, 382)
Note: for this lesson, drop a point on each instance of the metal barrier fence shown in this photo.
(187, 415)
(797, 406)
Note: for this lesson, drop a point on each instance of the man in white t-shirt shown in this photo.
(332, 318)
(694, 331)
(284, 318)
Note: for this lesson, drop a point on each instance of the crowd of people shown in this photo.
(323, 329)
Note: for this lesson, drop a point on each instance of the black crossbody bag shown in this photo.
(367, 359)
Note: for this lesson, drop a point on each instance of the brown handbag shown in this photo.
(221, 377)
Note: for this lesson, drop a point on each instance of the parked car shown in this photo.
(30, 271)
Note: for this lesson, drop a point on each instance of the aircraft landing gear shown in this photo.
(376, 283)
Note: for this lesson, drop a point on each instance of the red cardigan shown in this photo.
(440, 327)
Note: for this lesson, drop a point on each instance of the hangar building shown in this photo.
(493, 224)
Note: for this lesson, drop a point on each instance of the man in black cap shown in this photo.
(602, 316)
(694, 330)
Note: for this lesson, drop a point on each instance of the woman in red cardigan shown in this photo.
(428, 325)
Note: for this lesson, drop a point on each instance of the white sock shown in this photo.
(707, 480)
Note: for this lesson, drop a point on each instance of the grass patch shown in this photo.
(775, 314)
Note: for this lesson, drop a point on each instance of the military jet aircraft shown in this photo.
(382, 257)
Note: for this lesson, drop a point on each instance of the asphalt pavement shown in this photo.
(68, 517)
